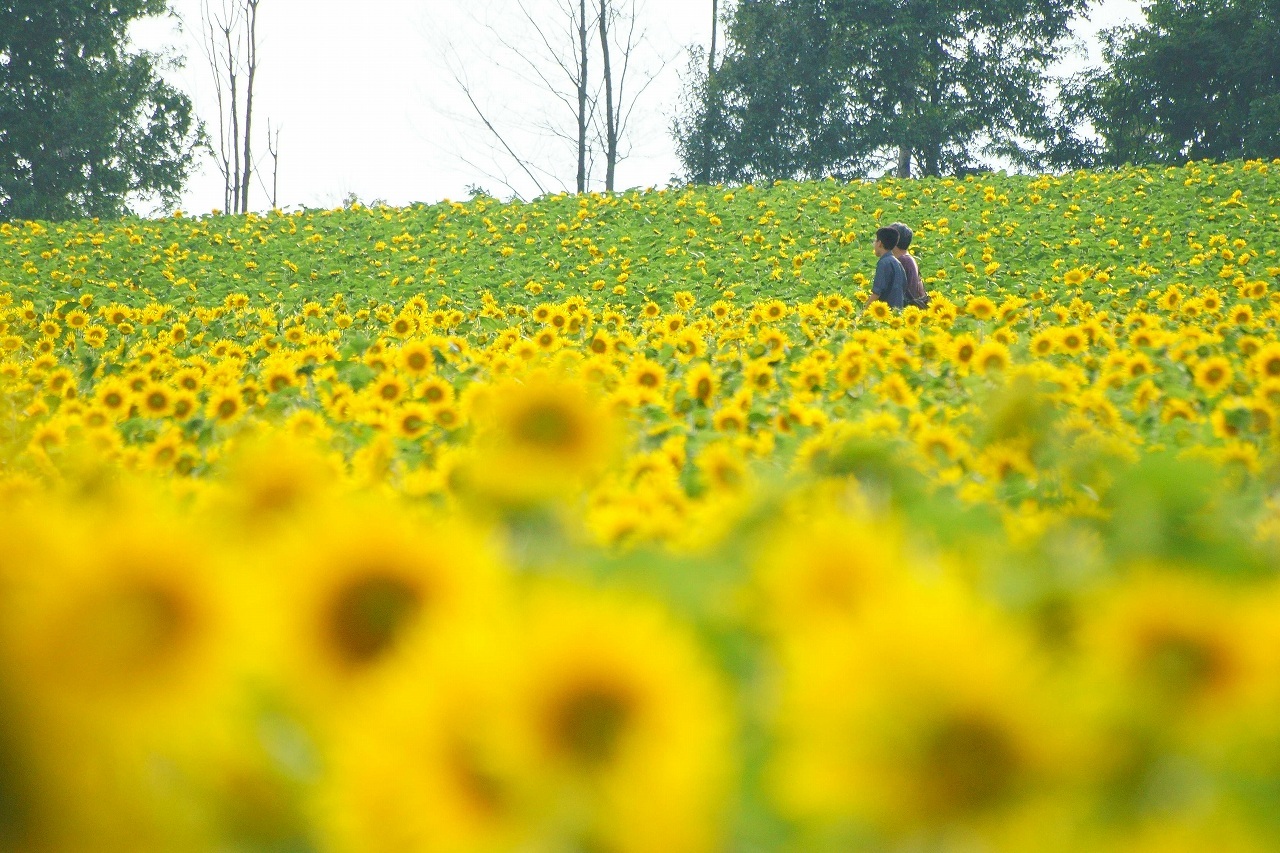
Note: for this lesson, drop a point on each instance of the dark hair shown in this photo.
(887, 237)
(904, 234)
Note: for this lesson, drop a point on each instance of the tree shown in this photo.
(560, 102)
(808, 88)
(231, 48)
(618, 19)
(87, 128)
(1197, 79)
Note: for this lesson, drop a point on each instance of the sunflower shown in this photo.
(624, 707)
(114, 396)
(184, 406)
(980, 308)
(599, 343)
(1043, 342)
(991, 357)
(225, 405)
(404, 325)
(1175, 408)
(824, 572)
(189, 379)
(1072, 340)
(416, 357)
(118, 651)
(432, 758)
(851, 370)
(156, 401)
(278, 374)
(950, 723)
(542, 437)
(647, 376)
(702, 382)
(435, 391)
(1170, 299)
(412, 420)
(1175, 643)
(95, 336)
(722, 468)
(388, 388)
(963, 349)
(1213, 375)
(547, 340)
(774, 340)
(729, 419)
(1266, 361)
(758, 375)
(940, 443)
(365, 585)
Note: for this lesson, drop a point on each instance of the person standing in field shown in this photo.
(891, 279)
(915, 292)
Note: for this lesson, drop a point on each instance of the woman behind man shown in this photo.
(915, 293)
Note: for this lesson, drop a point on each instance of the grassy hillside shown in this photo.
(790, 241)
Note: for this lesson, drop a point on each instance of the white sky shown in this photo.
(367, 105)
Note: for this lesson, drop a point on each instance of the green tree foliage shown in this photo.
(1198, 79)
(85, 125)
(844, 87)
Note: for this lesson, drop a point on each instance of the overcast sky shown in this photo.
(365, 95)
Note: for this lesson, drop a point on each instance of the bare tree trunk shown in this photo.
(555, 54)
(235, 132)
(904, 161)
(582, 96)
(610, 121)
(251, 7)
(711, 114)
(711, 54)
(273, 148)
(211, 27)
(232, 51)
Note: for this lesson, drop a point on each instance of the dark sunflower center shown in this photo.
(131, 630)
(970, 763)
(589, 723)
(547, 426)
(369, 614)
(1182, 664)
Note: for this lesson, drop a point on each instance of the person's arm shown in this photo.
(879, 286)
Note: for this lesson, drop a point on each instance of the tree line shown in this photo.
(809, 88)
(798, 89)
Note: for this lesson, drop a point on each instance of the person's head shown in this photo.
(904, 236)
(886, 240)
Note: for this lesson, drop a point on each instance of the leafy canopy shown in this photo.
(1198, 79)
(86, 127)
(815, 87)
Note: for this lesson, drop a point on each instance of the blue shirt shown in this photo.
(891, 281)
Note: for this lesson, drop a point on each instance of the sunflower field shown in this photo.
(610, 523)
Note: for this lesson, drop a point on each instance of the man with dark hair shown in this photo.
(915, 293)
(891, 279)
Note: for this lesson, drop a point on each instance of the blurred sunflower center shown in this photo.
(547, 425)
(1184, 664)
(128, 631)
(970, 764)
(588, 723)
(369, 614)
